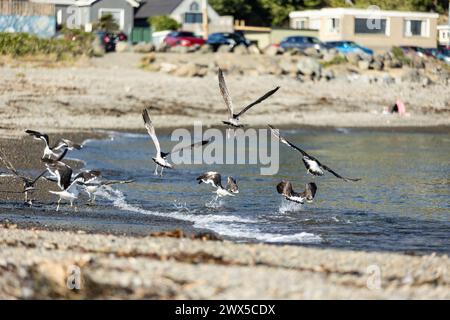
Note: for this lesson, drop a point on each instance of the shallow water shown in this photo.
(401, 204)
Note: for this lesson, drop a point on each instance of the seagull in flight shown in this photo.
(28, 182)
(161, 157)
(215, 179)
(313, 166)
(58, 151)
(233, 118)
(285, 188)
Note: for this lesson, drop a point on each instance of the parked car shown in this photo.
(232, 39)
(441, 53)
(301, 43)
(183, 38)
(348, 47)
(107, 39)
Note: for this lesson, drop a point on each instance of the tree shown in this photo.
(161, 23)
(106, 23)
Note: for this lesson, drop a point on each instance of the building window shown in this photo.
(194, 6)
(117, 14)
(370, 26)
(300, 24)
(193, 17)
(415, 28)
(334, 25)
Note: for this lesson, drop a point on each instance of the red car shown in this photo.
(183, 38)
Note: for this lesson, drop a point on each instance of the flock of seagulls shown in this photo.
(71, 184)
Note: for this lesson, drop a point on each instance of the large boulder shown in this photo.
(254, 49)
(330, 55)
(206, 49)
(273, 50)
(395, 63)
(167, 67)
(377, 65)
(191, 70)
(240, 49)
(328, 74)
(288, 67)
(312, 52)
(363, 65)
(310, 67)
(224, 49)
(353, 58)
(143, 47)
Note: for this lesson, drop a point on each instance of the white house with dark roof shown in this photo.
(187, 12)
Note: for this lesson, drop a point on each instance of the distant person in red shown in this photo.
(398, 107)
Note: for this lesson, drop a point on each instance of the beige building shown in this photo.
(377, 29)
(444, 35)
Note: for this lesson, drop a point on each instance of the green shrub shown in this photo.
(106, 23)
(161, 23)
(400, 55)
(73, 44)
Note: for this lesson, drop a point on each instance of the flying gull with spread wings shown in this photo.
(285, 188)
(233, 118)
(313, 166)
(161, 157)
(59, 150)
(215, 179)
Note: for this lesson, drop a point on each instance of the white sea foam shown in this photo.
(225, 225)
(289, 206)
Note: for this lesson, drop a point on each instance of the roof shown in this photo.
(81, 3)
(152, 8)
(360, 12)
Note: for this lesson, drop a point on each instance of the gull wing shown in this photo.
(151, 130)
(61, 171)
(232, 185)
(11, 168)
(225, 94)
(38, 135)
(196, 144)
(213, 177)
(285, 188)
(310, 191)
(277, 134)
(337, 175)
(258, 101)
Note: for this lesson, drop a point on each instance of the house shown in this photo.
(444, 35)
(188, 13)
(377, 29)
(25, 16)
(83, 13)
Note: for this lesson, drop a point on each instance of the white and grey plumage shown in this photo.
(91, 183)
(28, 182)
(161, 157)
(59, 150)
(233, 118)
(313, 166)
(215, 179)
(63, 173)
(285, 188)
